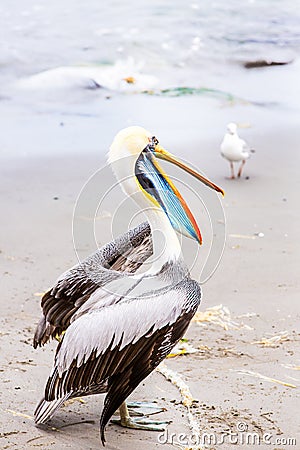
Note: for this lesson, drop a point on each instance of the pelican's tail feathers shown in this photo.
(45, 410)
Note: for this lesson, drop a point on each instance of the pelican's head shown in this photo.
(232, 127)
(133, 156)
(130, 141)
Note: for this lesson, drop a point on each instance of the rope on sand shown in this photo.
(186, 397)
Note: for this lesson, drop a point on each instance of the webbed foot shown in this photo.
(142, 424)
(141, 409)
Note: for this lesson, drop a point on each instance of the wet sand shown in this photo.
(256, 281)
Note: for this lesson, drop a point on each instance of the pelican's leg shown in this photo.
(232, 170)
(140, 424)
(241, 168)
(143, 408)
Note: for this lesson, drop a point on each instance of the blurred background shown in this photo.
(167, 65)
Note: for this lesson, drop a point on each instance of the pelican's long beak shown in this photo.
(154, 181)
(161, 153)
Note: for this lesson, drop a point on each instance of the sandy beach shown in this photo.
(255, 281)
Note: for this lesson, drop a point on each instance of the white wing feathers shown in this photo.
(118, 325)
(234, 148)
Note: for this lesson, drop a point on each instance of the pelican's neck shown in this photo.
(166, 246)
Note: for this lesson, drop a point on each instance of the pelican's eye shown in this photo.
(152, 144)
(154, 141)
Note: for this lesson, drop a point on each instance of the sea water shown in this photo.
(194, 50)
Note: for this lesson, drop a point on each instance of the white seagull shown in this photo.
(234, 149)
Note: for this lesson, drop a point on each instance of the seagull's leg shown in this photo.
(241, 168)
(232, 170)
(139, 424)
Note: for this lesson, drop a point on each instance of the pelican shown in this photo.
(117, 322)
(234, 149)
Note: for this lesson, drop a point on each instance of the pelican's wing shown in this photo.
(126, 254)
(119, 345)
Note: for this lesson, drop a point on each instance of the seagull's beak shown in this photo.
(154, 181)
